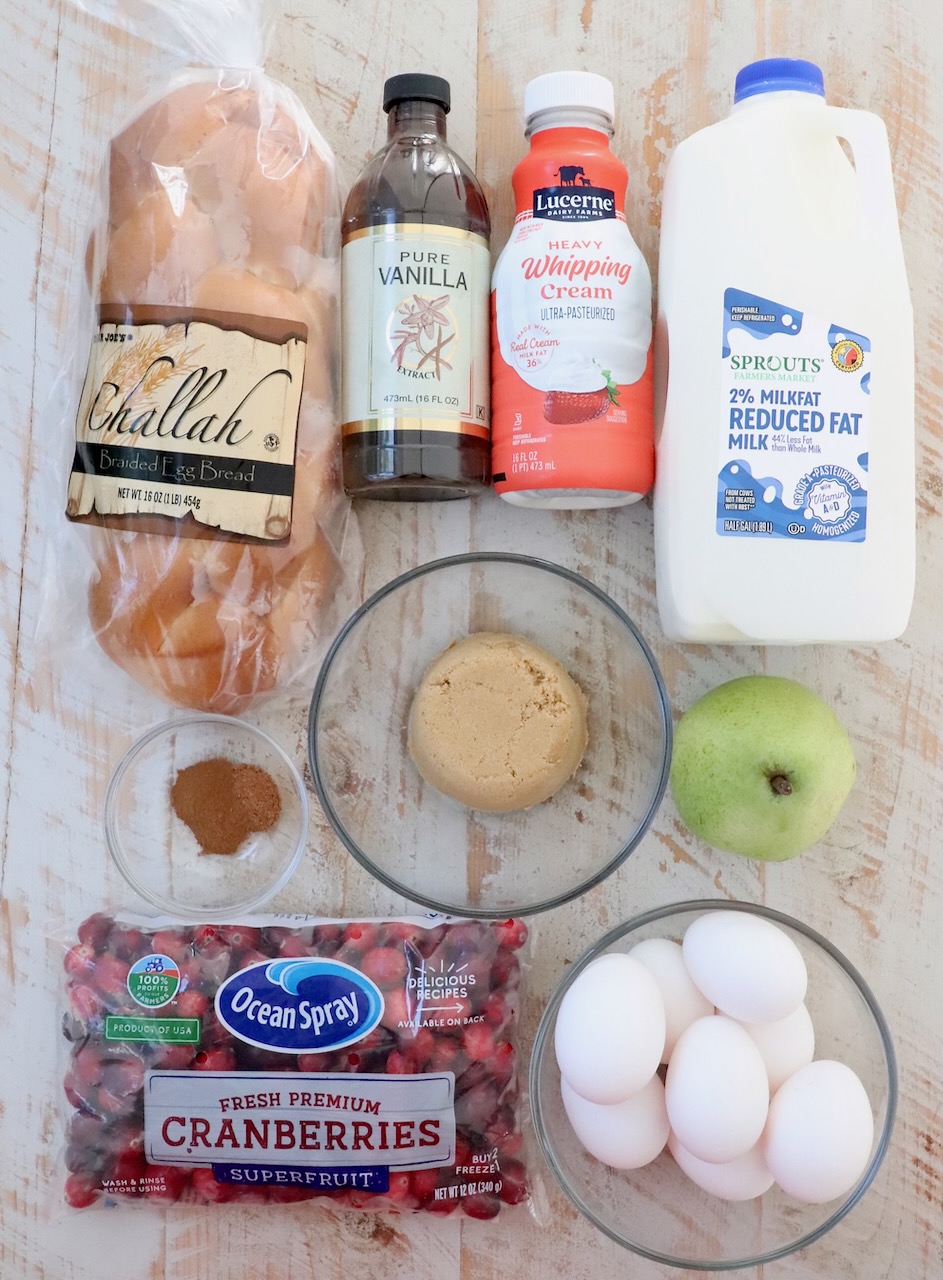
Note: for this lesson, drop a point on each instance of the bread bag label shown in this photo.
(189, 418)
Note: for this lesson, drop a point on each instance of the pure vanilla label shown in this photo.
(416, 338)
(189, 413)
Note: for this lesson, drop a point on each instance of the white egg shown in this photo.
(625, 1135)
(819, 1134)
(610, 1030)
(684, 1004)
(784, 1045)
(742, 1179)
(716, 1090)
(746, 966)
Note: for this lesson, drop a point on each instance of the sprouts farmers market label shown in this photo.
(794, 424)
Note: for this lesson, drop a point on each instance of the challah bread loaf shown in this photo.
(221, 200)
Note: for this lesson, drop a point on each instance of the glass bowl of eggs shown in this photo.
(713, 1085)
(490, 735)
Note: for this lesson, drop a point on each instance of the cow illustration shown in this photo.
(568, 174)
(585, 182)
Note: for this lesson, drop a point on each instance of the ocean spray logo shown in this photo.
(299, 1006)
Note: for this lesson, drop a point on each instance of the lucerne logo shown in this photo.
(299, 1006)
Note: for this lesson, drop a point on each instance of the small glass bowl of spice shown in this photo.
(206, 816)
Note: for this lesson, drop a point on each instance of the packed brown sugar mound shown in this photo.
(497, 723)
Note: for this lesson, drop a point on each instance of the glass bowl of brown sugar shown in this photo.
(206, 817)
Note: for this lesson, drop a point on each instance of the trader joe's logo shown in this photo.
(299, 1006)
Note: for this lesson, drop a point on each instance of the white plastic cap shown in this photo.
(569, 89)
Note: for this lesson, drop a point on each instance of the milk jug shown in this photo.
(784, 492)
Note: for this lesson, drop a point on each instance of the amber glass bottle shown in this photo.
(416, 269)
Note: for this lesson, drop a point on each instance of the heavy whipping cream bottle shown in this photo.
(572, 314)
(784, 504)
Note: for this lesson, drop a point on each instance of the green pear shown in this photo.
(761, 767)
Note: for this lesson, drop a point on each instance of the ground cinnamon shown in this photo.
(223, 803)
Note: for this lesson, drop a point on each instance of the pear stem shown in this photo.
(781, 784)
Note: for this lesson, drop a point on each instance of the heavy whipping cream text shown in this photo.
(572, 331)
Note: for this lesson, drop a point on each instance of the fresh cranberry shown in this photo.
(209, 1190)
(172, 942)
(87, 1066)
(386, 966)
(111, 976)
(80, 961)
(315, 1062)
(115, 1104)
(448, 1056)
(400, 1191)
(478, 1042)
(361, 935)
(505, 971)
(399, 1007)
(293, 948)
(214, 1060)
(191, 1004)
(401, 1064)
(496, 1010)
(212, 1032)
(126, 942)
(191, 973)
(71, 1092)
(251, 957)
(424, 1184)
(486, 1205)
(424, 1046)
(214, 967)
(123, 1077)
(502, 1133)
(82, 1190)
(476, 1106)
(501, 1063)
(510, 933)
(241, 937)
(513, 1182)
(272, 938)
(253, 1057)
(399, 931)
(173, 1057)
(430, 940)
(94, 931)
(85, 1001)
(207, 939)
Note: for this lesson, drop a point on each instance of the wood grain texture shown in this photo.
(874, 886)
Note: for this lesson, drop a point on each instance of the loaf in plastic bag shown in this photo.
(370, 1062)
(207, 459)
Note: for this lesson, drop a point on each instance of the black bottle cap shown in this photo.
(428, 88)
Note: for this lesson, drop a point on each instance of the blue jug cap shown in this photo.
(773, 75)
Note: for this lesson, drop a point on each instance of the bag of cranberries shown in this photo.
(372, 1062)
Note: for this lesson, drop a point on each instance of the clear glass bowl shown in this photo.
(159, 855)
(423, 844)
(657, 1211)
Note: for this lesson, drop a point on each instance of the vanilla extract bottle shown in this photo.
(416, 276)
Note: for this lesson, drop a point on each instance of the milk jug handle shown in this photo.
(866, 135)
